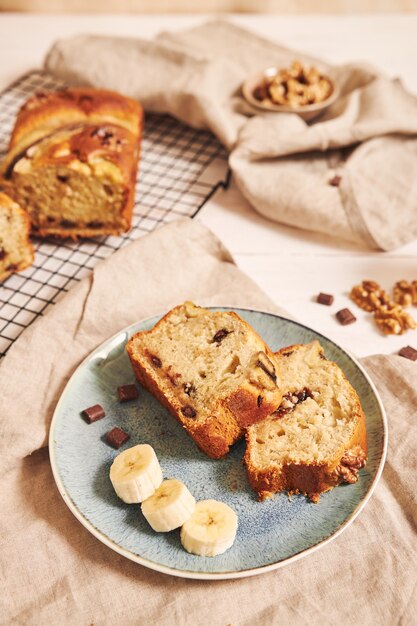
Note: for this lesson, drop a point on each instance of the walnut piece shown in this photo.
(393, 320)
(405, 292)
(350, 464)
(369, 296)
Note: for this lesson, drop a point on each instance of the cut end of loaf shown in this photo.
(317, 437)
(76, 182)
(211, 370)
(16, 252)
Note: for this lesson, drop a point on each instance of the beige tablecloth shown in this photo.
(54, 572)
(281, 164)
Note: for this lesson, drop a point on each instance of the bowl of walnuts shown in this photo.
(301, 89)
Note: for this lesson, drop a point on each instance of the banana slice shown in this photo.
(136, 473)
(211, 529)
(170, 506)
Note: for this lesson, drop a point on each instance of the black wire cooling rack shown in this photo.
(180, 169)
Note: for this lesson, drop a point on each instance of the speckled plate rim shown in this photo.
(108, 345)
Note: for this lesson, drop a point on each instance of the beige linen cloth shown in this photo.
(281, 164)
(54, 572)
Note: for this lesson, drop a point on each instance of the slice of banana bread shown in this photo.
(317, 437)
(16, 252)
(211, 370)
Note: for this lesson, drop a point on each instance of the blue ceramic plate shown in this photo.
(270, 534)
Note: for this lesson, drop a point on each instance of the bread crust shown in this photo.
(310, 479)
(225, 425)
(49, 110)
(7, 202)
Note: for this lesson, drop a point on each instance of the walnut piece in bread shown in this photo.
(16, 252)
(210, 370)
(73, 160)
(317, 438)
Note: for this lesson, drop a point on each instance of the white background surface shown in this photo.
(291, 265)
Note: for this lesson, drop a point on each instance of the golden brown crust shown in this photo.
(7, 202)
(310, 479)
(249, 407)
(46, 111)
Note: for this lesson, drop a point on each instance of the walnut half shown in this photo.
(369, 295)
(405, 293)
(351, 462)
(393, 320)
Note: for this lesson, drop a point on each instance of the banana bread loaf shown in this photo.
(317, 437)
(16, 252)
(73, 160)
(212, 372)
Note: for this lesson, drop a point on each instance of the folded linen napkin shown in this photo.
(53, 571)
(282, 165)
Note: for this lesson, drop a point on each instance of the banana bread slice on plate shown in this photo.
(212, 372)
(16, 252)
(317, 437)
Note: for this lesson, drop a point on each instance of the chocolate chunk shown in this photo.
(50, 219)
(408, 353)
(63, 178)
(93, 413)
(325, 298)
(259, 400)
(265, 368)
(127, 392)
(189, 389)
(2, 253)
(291, 399)
(67, 223)
(220, 335)
(116, 437)
(304, 394)
(156, 361)
(108, 190)
(335, 181)
(12, 267)
(188, 411)
(345, 317)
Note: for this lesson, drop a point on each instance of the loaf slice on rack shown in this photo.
(73, 160)
(211, 370)
(317, 437)
(16, 252)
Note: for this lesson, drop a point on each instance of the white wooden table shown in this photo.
(291, 265)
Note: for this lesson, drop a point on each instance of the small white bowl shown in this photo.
(307, 112)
